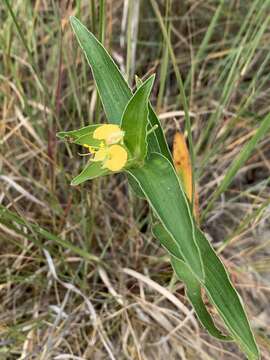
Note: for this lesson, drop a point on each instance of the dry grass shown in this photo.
(95, 284)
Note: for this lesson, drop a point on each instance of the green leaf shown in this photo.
(135, 187)
(113, 89)
(193, 292)
(226, 299)
(192, 285)
(91, 171)
(135, 121)
(160, 185)
(218, 287)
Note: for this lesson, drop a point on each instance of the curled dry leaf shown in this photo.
(182, 163)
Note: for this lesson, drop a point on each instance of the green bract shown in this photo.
(151, 175)
(134, 121)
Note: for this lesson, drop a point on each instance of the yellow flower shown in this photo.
(116, 158)
(110, 133)
(113, 157)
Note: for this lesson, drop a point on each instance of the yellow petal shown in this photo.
(104, 132)
(101, 155)
(117, 158)
(115, 137)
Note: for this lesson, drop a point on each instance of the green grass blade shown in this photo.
(245, 223)
(101, 38)
(161, 187)
(36, 233)
(203, 47)
(164, 67)
(240, 160)
(28, 50)
(135, 121)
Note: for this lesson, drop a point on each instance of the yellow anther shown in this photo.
(90, 148)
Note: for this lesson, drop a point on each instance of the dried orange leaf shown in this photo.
(182, 163)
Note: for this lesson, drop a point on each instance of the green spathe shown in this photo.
(134, 121)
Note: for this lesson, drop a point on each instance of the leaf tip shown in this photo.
(153, 76)
(60, 135)
(151, 80)
(75, 181)
(75, 23)
(73, 19)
